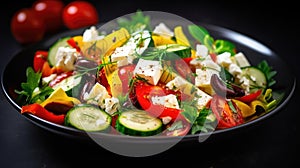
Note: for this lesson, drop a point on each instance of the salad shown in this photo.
(140, 80)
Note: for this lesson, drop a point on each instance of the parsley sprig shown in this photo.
(33, 90)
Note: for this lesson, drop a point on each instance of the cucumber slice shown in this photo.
(71, 85)
(180, 50)
(257, 78)
(138, 123)
(88, 118)
(62, 42)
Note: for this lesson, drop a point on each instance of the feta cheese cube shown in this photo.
(245, 83)
(224, 59)
(201, 50)
(65, 58)
(163, 30)
(178, 83)
(202, 79)
(149, 70)
(169, 101)
(203, 76)
(241, 60)
(202, 99)
(91, 34)
(111, 105)
(123, 55)
(97, 95)
(234, 69)
(210, 64)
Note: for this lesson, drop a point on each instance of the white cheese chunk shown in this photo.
(169, 101)
(149, 70)
(241, 60)
(123, 55)
(201, 51)
(210, 64)
(203, 76)
(224, 59)
(65, 58)
(163, 30)
(97, 95)
(202, 99)
(178, 83)
(91, 34)
(234, 69)
(245, 83)
(111, 105)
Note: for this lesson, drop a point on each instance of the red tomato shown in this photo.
(184, 69)
(144, 93)
(125, 74)
(225, 115)
(51, 12)
(27, 27)
(39, 59)
(79, 14)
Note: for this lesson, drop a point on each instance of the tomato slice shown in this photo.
(125, 74)
(226, 116)
(144, 92)
(184, 69)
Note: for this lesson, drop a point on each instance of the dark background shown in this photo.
(273, 143)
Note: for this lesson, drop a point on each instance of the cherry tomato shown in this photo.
(184, 70)
(79, 14)
(27, 27)
(51, 12)
(225, 115)
(40, 57)
(125, 74)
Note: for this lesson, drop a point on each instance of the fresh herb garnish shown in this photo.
(33, 91)
(136, 23)
(268, 71)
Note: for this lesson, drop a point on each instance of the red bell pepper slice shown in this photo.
(250, 97)
(73, 44)
(39, 111)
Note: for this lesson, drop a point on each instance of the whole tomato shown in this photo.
(78, 14)
(51, 12)
(27, 27)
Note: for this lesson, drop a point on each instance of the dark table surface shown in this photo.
(272, 143)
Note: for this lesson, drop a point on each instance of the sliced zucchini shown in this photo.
(182, 51)
(257, 78)
(53, 49)
(88, 118)
(138, 123)
(70, 85)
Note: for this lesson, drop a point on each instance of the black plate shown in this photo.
(14, 73)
